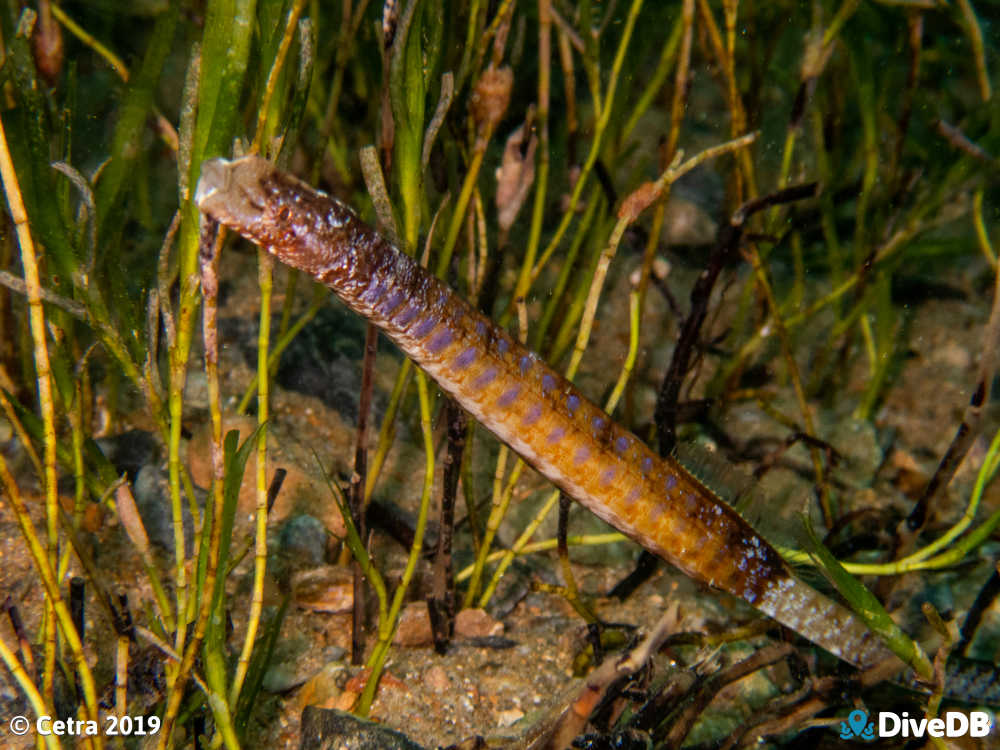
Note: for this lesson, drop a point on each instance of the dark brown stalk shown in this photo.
(123, 622)
(77, 592)
(77, 597)
(961, 142)
(725, 251)
(441, 604)
(770, 726)
(23, 640)
(572, 593)
(357, 497)
(984, 601)
(275, 487)
(602, 685)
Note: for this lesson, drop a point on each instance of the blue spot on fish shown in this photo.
(533, 414)
(484, 378)
(691, 502)
(556, 435)
(390, 303)
(548, 383)
(441, 340)
(525, 364)
(622, 444)
(406, 317)
(466, 358)
(608, 475)
(374, 293)
(509, 396)
(425, 326)
(572, 402)
(581, 455)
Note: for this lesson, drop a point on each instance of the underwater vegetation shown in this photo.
(755, 234)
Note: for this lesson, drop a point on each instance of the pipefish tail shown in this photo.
(525, 403)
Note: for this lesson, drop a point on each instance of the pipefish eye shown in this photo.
(283, 214)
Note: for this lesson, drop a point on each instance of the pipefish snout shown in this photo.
(525, 403)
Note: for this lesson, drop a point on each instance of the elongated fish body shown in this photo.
(526, 404)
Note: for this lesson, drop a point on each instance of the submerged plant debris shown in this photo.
(229, 510)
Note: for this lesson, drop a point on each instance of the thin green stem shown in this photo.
(388, 624)
(34, 697)
(546, 545)
(265, 280)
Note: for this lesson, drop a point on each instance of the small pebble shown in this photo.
(475, 623)
(327, 588)
(436, 679)
(323, 729)
(324, 687)
(414, 626)
(151, 491)
(196, 390)
(953, 355)
(509, 717)
(302, 540)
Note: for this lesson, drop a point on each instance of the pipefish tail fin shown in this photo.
(789, 600)
(825, 622)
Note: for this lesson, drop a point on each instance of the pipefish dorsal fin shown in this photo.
(724, 479)
(732, 485)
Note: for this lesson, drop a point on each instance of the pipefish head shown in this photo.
(234, 193)
(303, 227)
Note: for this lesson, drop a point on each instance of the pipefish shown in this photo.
(534, 410)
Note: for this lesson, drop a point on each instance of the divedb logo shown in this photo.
(857, 726)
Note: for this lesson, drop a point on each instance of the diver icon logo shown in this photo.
(857, 726)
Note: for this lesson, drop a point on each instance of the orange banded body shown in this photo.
(526, 404)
